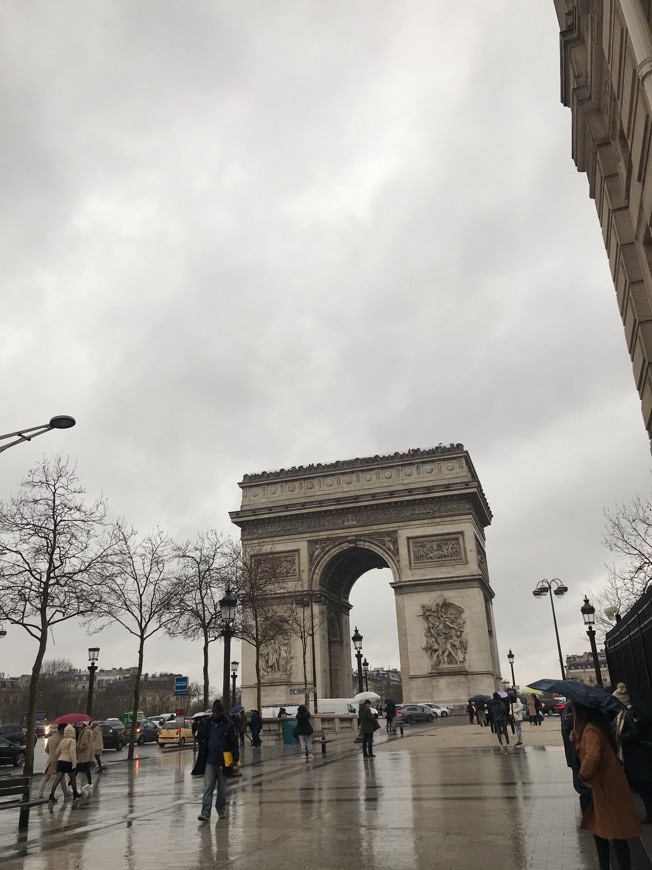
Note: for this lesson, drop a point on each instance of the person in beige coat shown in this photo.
(66, 755)
(51, 767)
(98, 746)
(85, 752)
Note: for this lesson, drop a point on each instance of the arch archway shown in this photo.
(422, 514)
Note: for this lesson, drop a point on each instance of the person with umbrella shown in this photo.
(367, 726)
(66, 755)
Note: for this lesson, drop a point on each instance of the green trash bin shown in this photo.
(288, 727)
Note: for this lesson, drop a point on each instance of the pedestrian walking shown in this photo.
(470, 709)
(611, 815)
(517, 715)
(304, 731)
(633, 733)
(243, 727)
(66, 754)
(98, 746)
(390, 715)
(51, 768)
(532, 710)
(85, 741)
(218, 737)
(367, 726)
(255, 726)
(498, 713)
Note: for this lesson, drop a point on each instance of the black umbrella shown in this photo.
(477, 698)
(581, 693)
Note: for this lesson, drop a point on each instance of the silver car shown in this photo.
(409, 713)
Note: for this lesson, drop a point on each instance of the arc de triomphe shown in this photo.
(422, 514)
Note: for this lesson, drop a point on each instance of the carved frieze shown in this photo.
(437, 549)
(482, 558)
(276, 658)
(283, 564)
(445, 633)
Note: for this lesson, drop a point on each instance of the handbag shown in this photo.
(227, 766)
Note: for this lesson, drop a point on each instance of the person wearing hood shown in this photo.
(85, 753)
(66, 755)
(217, 736)
(51, 768)
(634, 746)
(98, 746)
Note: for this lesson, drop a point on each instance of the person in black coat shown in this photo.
(572, 758)
(633, 732)
(217, 736)
(255, 726)
(304, 731)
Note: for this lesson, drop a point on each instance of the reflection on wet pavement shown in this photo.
(418, 804)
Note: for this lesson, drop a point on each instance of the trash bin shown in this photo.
(288, 727)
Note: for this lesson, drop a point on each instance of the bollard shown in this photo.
(323, 743)
(401, 728)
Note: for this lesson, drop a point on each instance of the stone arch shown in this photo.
(422, 514)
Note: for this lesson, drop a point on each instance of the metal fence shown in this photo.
(629, 652)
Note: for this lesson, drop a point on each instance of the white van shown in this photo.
(338, 706)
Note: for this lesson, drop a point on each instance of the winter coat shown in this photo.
(255, 722)
(85, 745)
(612, 814)
(51, 749)
(229, 743)
(497, 711)
(517, 710)
(633, 737)
(98, 740)
(67, 748)
(367, 722)
(531, 708)
(303, 723)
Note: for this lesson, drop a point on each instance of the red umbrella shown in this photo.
(71, 718)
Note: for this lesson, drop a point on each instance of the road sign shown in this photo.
(181, 685)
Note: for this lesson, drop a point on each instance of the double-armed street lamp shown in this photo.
(365, 670)
(227, 607)
(62, 421)
(234, 674)
(357, 643)
(557, 588)
(93, 656)
(510, 659)
(588, 615)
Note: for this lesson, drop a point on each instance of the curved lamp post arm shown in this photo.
(60, 422)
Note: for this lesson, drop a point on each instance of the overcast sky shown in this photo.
(242, 236)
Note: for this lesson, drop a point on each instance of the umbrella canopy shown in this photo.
(365, 696)
(503, 694)
(581, 693)
(484, 698)
(71, 719)
(202, 713)
(235, 711)
(530, 691)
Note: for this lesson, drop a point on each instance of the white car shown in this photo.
(437, 709)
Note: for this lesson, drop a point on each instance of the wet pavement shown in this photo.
(444, 797)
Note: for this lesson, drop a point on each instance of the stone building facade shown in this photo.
(580, 667)
(606, 81)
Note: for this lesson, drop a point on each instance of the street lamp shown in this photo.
(93, 655)
(234, 673)
(510, 659)
(227, 607)
(62, 421)
(365, 670)
(588, 615)
(557, 588)
(357, 643)
(3, 630)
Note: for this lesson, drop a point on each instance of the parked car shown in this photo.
(14, 734)
(437, 709)
(11, 753)
(113, 734)
(161, 718)
(415, 713)
(144, 732)
(171, 735)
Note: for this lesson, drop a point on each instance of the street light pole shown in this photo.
(62, 421)
(227, 607)
(588, 615)
(556, 587)
(357, 643)
(234, 673)
(93, 655)
(365, 670)
(510, 659)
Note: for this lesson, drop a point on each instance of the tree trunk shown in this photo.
(28, 769)
(258, 686)
(304, 645)
(134, 711)
(206, 686)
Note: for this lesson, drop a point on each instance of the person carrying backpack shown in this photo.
(499, 716)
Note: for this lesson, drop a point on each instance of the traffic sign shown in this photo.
(181, 685)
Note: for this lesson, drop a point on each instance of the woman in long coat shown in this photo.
(611, 814)
(51, 768)
(532, 710)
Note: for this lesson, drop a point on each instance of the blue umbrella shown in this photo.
(581, 693)
(235, 711)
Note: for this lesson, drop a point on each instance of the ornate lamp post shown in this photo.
(588, 615)
(365, 671)
(557, 588)
(227, 607)
(93, 655)
(357, 643)
(510, 659)
(62, 421)
(234, 674)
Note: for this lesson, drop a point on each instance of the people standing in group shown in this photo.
(217, 736)
(51, 768)
(304, 731)
(633, 732)
(66, 754)
(255, 726)
(98, 746)
(85, 753)
(367, 726)
(532, 711)
(499, 717)
(517, 708)
(471, 710)
(611, 815)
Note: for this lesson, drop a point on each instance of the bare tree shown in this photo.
(304, 623)
(57, 692)
(628, 534)
(139, 594)
(262, 589)
(205, 569)
(54, 550)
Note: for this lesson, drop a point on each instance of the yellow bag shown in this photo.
(228, 759)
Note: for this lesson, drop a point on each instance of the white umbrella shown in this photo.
(366, 696)
(202, 713)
